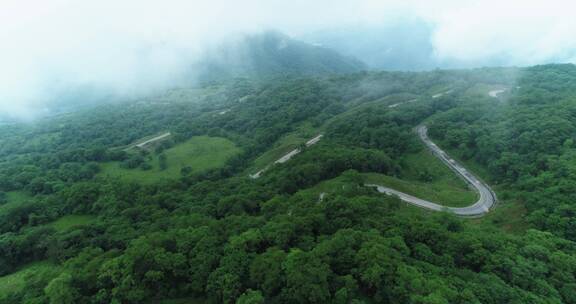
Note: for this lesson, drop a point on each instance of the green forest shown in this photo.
(97, 207)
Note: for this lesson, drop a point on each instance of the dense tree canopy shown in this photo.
(221, 237)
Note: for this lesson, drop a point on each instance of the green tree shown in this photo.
(266, 271)
(306, 278)
(3, 198)
(251, 297)
(185, 171)
(60, 291)
(163, 161)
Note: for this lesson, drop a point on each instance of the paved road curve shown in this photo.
(485, 202)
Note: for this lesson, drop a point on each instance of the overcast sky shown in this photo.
(133, 46)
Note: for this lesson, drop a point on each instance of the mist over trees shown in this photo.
(219, 236)
(172, 152)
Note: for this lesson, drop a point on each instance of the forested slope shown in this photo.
(218, 236)
(270, 54)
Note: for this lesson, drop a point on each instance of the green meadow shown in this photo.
(73, 220)
(200, 153)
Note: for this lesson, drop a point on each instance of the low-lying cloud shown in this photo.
(522, 32)
(133, 47)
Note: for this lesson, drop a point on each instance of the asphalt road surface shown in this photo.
(288, 156)
(143, 144)
(401, 103)
(495, 93)
(441, 94)
(486, 200)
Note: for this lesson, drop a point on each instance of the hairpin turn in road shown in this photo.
(487, 197)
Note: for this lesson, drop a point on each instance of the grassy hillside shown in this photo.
(283, 146)
(445, 188)
(14, 199)
(69, 221)
(17, 196)
(199, 153)
(437, 192)
(416, 164)
(16, 281)
(230, 239)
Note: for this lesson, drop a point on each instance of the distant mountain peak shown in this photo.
(273, 53)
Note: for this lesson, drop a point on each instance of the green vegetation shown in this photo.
(480, 90)
(199, 153)
(285, 145)
(183, 301)
(139, 141)
(13, 198)
(70, 221)
(439, 193)
(525, 144)
(510, 216)
(328, 186)
(195, 229)
(16, 282)
(443, 187)
(423, 166)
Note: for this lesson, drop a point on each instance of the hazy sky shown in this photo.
(135, 46)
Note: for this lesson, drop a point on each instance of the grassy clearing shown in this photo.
(445, 187)
(436, 192)
(199, 153)
(416, 163)
(16, 281)
(439, 193)
(15, 198)
(69, 221)
(284, 146)
(443, 180)
(327, 187)
(472, 166)
(438, 89)
(509, 215)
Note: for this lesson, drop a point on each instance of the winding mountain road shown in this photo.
(487, 197)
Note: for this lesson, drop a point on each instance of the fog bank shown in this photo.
(127, 48)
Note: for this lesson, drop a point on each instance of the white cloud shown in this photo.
(128, 45)
(526, 32)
